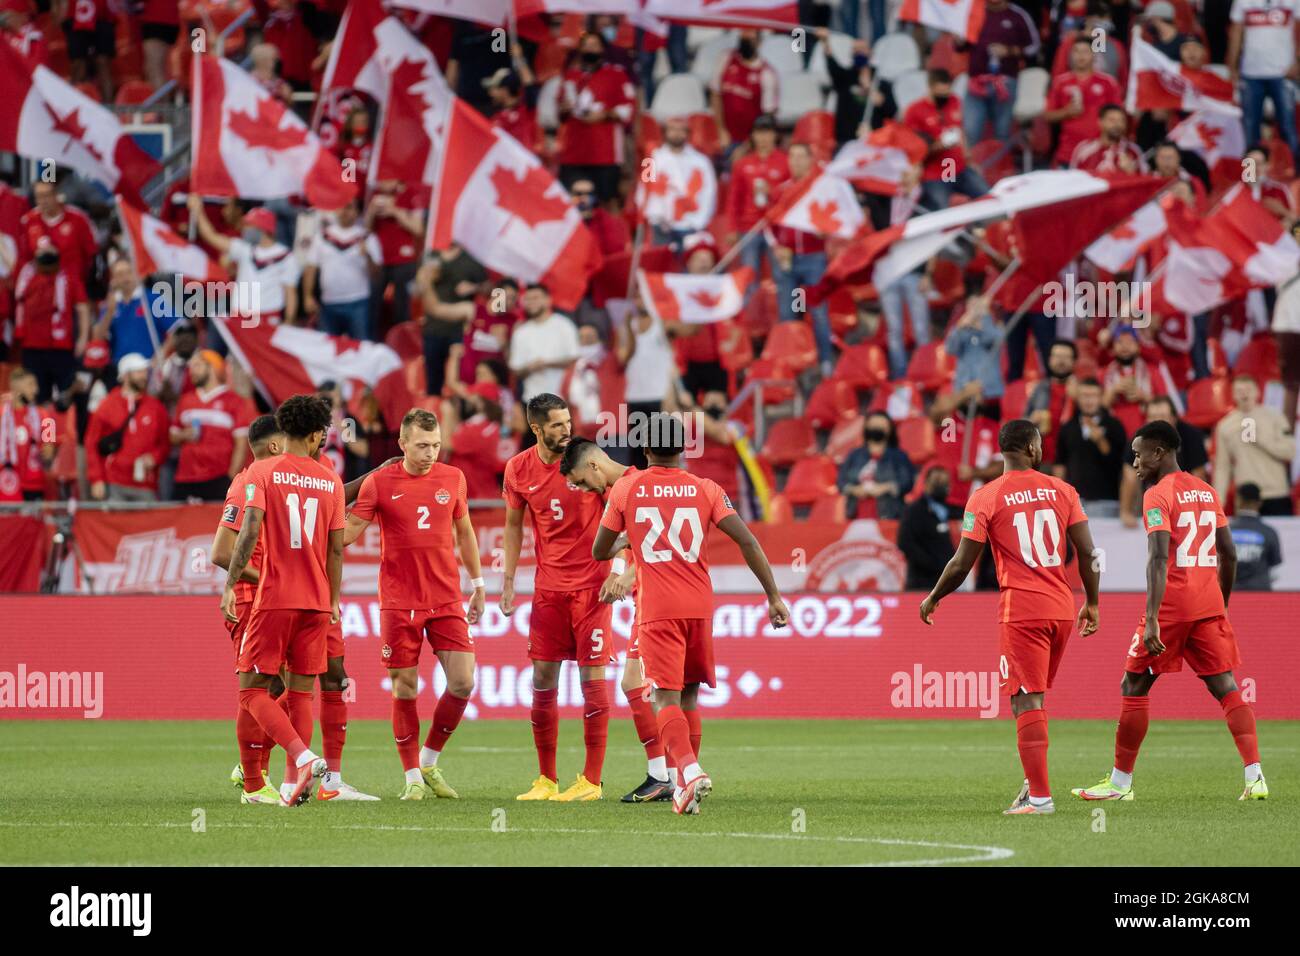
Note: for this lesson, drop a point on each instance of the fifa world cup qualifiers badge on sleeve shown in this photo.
(968, 522)
(248, 492)
(1153, 518)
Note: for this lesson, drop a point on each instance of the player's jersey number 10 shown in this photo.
(682, 517)
(1035, 547)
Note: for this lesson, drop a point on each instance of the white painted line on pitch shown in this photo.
(983, 854)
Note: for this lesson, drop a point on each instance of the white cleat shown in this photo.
(686, 800)
(345, 791)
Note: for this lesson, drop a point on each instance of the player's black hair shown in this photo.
(1162, 433)
(665, 435)
(938, 76)
(1017, 435)
(262, 428)
(303, 415)
(575, 454)
(541, 405)
(1249, 493)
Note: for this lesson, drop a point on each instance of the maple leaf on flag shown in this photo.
(169, 238)
(70, 126)
(1209, 134)
(687, 203)
(524, 198)
(822, 216)
(706, 299)
(1125, 231)
(262, 131)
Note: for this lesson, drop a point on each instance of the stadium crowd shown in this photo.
(876, 403)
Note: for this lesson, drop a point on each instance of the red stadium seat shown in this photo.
(810, 479)
(704, 135)
(946, 284)
(1014, 398)
(916, 436)
(790, 345)
(406, 339)
(817, 129)
(787, 441)
(931, 366)
(1259, 358)
(862, 366)
(735, 351)
(769, 370)
(845, 437)
(828, 509)
(1208, 400)
(133, 92)
(779, 510)
(832, 401)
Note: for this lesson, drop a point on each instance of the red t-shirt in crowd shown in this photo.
(564, 521)
(754, 182)
(70, 233)
(747, 90)
(607, 89)
(400, 246)
(477, 453)
(45, 308)
(1092, 91)
(929, 122)
(222, 417)
(146, 433)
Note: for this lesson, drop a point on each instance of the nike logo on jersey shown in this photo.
(395, 497)
(533, 487)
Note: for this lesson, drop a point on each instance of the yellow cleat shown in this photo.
(582, 789)
(543, 788)
(435, 781)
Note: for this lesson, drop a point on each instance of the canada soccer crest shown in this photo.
(442, 496)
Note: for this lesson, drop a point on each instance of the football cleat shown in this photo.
(580, 791)
(650, 791)
(686, 800)
(267, 796)
(543, 788)
(237, 776)
(1256, 790)
(1104, 791)
(307, 775)
(345, 791)
(1023, 805)
(415, 791)
(435, 781)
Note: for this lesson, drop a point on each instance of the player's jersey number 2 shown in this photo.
(1041, 545)
(302, 518)
(682, 517)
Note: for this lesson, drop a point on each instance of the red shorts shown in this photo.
(236, 629)
(675, 653)
(571, 626)
(1031, 653)
(334, 640)
(285, 637)
(1209, 645)
(405, 632)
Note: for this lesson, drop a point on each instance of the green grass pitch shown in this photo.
(786, 792)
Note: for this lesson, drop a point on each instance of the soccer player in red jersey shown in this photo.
(300, 504)
(664, 514)
(586, 465)
(569, 622)
(1025, 516)
(1186, 615)
(423, 518)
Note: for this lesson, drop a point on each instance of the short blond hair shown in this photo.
(420, 418)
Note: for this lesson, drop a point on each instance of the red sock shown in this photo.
(546, 719)
(674, 731)
(274, 722)
(595, 726)
(290, 771)
(1241, 721)
(406, 732)
(647, 728)
(696, 729)
(1134, 718)
(333, 727)
(1031, 739)
(251, 747)
(446, 718)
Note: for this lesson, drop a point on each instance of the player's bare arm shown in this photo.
(467, 545)
(954, 573)
(1227, 552)
(1157, 578)
(223, 545)
(355, 527)
(514, 538)
(1089, 573)
(736, 529)
(240, 557)
(353, 487)
(334, 568)
(619, 584)
(607, 544)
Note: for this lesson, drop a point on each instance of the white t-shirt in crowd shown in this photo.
(553, 339)
(272, 267)
(343, 254)
(1268, 37)
(652, 364)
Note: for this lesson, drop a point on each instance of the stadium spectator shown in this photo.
(51, 319)
(976, 342)
(1261, 57)
(1259, 550)
(91, 30)
(649, 368)
(1252, 445)
(28, 440)
(968, 442)
(1111, 151)
(800, 261)
(717, 459)
(1129, 382)
(908, 291)
(756, 175)
(876, 476)
(1286, 330)
(1168, 164)
(1076, 98)
(346, 445)
(937, 119)
(127, 438)
(612, 238)
(63, 225)
(743, 88)
(924, 535)
(1162, 31)
(265, 69)
(514, 103)
(1008, 42)
(857, 90)
(446, 280)
(1050, 402)
(689, 174)
(543, 346)
(474, 442)
(209, 426)
(22, 35)
(1091, 451)
(267, 271)
(1273, 195)
(133, 319)
(487, 323)
(342, 254)
(396, 216)
(170, 377)
(697, 345)
(1192, 454)
(596, 105)
(475, 54)
(160, 26)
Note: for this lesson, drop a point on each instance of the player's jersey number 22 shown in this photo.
(682, 517)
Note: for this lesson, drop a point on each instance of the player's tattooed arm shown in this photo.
(353, 488)
(514, 538)
(954, 573)
(1089, 573)
(752, 551)
(1227, 552)
(1157, 578)
(354, 528)
(223, 546)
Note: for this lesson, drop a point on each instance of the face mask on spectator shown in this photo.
(716, 412)
(252, 236)
(746, 49)
(939, 492)
(610, 33)
(591, 353)
(590, 58)
(941, 101)
(877, 435)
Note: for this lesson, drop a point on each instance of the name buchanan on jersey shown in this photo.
(302, 481)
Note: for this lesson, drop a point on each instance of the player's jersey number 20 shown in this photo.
(682, 518)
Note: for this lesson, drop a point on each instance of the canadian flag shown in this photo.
(824, 204)
(736, 13)
(156, 248)
(1213, 134)
(496, 200)
(682, 192)
(286, 360)
(417, 103)
(49, 119)
(963, 18)
(247, 143)
(877, 164)
(1156, 82)
(1118, 249)
(354, 63)
(694, 299)
(491, 12)
(12, 208)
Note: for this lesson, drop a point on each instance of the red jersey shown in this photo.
(480, 343)
(399, 245)
(983, 450)
(747, 91)
(1189, 510)
(45, 308)
(796, 240)
(222, 418)
(232, 517)
(1023, 515)
(671, 512)
(564, 521)
(1099, 156)
(519, 121)
(23, 429)
(930, 123)
(754, 180)
(607, 89)
(417, 541)
(29, 43)
(70, 233)
(145, 434)
(303, 502)
(1092, 93)
(478, 453)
